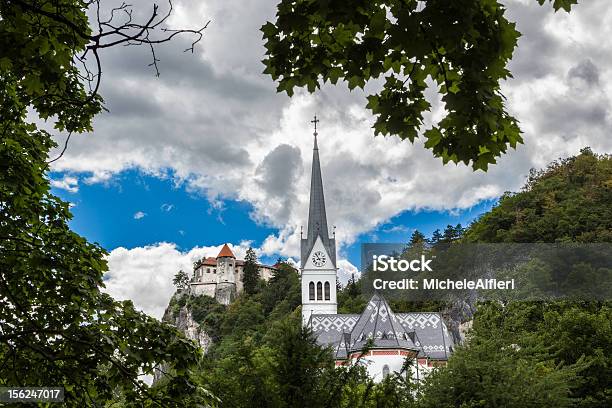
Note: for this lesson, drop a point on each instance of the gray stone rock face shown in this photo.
(184, 322)
(225, 293)
(457, 315)
(192, 330)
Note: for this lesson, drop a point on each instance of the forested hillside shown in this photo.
(262, 357)
(536, 354)
(570, 200)
(555, 353)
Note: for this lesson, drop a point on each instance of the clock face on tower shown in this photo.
(318, 258)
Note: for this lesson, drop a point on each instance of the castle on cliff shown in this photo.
(222, 277)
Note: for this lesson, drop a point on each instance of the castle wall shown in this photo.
(238, 277)
(207, 289)
(228, 273)
(266, 272)
(206, 274)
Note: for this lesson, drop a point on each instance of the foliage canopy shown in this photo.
(463, 46)
(56, 326)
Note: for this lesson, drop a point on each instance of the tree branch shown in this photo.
(150, 32)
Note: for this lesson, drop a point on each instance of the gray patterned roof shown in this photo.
(345, 333)
(317, 218)
(378, 324)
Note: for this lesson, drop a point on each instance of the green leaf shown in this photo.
(334, 74)
(433, 136)
(268, 29)
(377, 23)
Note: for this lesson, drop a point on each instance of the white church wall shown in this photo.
(422, 370)
(317, 277)
(376, 363)
(318, 306)
(324, 275)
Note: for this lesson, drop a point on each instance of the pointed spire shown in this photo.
(317, 217)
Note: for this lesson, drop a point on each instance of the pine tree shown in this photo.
(459, 230)
(181, 280)
(351, 288)
(417, 238)
(251, 272)
(451, 233)
(436, 237)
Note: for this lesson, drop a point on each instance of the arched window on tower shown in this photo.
(319, 291)
(311, 291)
(326, 290)
(385, 372)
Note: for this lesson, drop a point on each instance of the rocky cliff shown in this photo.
(182, 318)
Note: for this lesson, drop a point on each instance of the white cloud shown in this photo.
(144, 274)
(215, 123)
(252, 144)
(397, 228)
(346, 270)
(139, 215)
(68, 183)
(167, 207)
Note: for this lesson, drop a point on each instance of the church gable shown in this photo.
(308, 244)
(318, 257)
(379, 325)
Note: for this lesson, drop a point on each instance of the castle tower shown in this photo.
(318, 250)
(225, 291)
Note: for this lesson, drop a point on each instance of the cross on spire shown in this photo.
(315, 121)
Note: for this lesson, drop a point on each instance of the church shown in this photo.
(379, 338)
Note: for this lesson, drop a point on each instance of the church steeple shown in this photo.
(317, 217)
(318, 270)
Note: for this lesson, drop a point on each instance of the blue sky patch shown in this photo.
(135, 209)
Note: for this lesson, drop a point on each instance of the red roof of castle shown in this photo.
(226, 252)
(209, 261)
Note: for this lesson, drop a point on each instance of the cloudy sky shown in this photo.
(209, 152)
